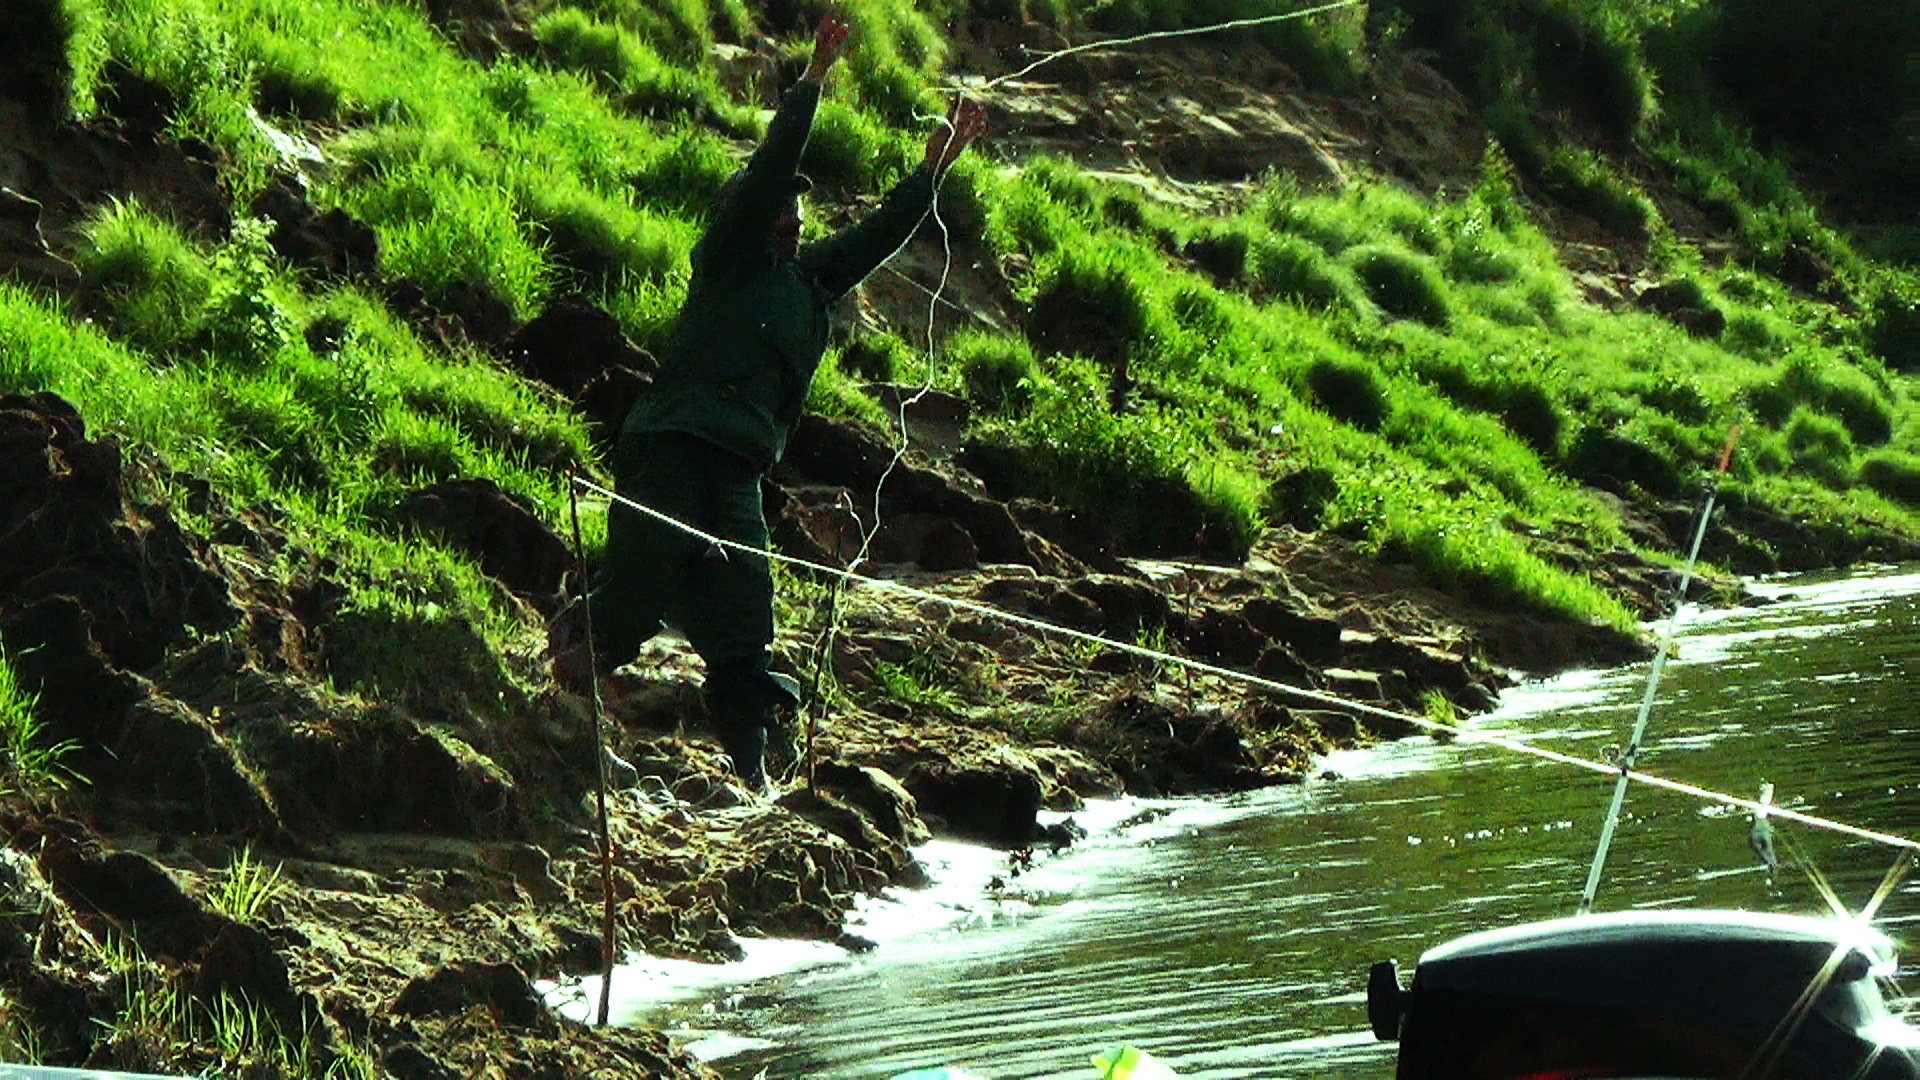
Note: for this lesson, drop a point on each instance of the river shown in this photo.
(1231, 936)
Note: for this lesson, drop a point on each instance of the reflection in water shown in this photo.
(1232, 936)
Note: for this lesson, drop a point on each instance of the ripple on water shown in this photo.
(1231, 937)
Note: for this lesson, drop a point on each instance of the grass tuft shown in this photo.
(1893, 473)
(1821, 447)
(29, 765)
(1351, 393)
(994, 369)
(1402, 283)
(246, 888)
(1293, 268)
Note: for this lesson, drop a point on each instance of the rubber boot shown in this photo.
(746, 703)
(741, 724)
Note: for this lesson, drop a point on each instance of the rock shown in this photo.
(1161, 746)
(135, 892)
(510, 542)
(240, 962)
(879, 796)
(945, 546)
(1081, 536)
(571, 343)
(330, 243)
(171, 770)
(1314, 639)
(994, 802)
(1127, 605)
(1354, 685)
(1224, 638)
(406, 1061)
(454, 989)
(850, 464)
(1278, 663)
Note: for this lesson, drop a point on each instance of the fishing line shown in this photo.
(1158, 35)
(1750, 806)
(824, 652)
(935, 298)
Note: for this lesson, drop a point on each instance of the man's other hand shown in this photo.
(965, 122)
(829, 41)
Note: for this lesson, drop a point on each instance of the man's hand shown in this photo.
(965, 122)
(829, 41)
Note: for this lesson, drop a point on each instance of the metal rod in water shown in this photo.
(1632, 750)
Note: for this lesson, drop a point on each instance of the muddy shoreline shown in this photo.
(436, 853)
(435, 843)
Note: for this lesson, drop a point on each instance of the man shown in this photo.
(730, 389)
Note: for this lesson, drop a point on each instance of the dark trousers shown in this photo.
(653, 573)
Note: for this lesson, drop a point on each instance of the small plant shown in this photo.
(1289, 267)
(993, 368)
(28, 764)
(1438, 709)
(246, 888)
(20, 1040)
(244, 314)
(919, 682)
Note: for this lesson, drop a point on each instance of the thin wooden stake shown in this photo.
(600, 761)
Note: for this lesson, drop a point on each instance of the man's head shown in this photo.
(786, 223)
(786, 229)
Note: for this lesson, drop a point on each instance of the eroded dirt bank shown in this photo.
(437, 851)
(437, 845)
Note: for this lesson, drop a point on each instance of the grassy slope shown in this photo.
(1418, 371)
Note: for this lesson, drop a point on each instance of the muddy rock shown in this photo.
(841, 468)
(132, 892)
(568, 346)
(330, 244)
(511, 544)
(879, 797)
(241, 962)
(1081, 536)
(66, 530)
(995, 802)
(1314, 639)
(1167, 747)
(1225, 638)
(1128, 606)
(501, 988)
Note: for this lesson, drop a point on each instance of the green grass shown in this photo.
(30, 764)
(246, 888)
(1417, 370)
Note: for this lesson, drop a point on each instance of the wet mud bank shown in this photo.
(434, 841)
(435, 848)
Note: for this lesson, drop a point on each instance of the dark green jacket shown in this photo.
(754, 324)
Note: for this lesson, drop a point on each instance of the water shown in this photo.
(1231, 937)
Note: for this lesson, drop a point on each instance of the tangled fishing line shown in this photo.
(830, 631)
